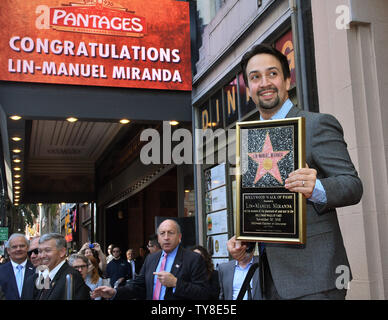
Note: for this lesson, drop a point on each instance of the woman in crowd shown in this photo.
(212, 274)
(93, 279)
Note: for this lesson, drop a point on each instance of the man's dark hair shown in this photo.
(114, 247)
(265, 48)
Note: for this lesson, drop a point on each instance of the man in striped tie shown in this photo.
(173, 273)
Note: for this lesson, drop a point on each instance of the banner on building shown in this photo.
(123, 43)
(285, 45)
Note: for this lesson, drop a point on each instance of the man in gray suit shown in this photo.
(328, 181)
(232, 275)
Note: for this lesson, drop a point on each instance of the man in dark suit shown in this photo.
(135, 263)
(14, 273)
(328, 181)
(52, 253)
(171, 274)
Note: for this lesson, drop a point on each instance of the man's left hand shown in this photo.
(166, 278)
(302, 180)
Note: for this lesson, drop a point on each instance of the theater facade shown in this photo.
(79, 83)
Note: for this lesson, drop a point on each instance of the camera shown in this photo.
(91, 246)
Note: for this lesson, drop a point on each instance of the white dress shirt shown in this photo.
(55, 270)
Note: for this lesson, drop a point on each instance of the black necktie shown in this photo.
(246, 286)
(44, 293)
(249, 293)
(262, 268)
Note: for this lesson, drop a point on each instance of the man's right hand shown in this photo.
(103, 291)
(236, 249)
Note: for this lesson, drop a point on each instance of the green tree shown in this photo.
(29, 212)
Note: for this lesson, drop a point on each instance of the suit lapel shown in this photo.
(176, 266)
(12, 279)
(54, 281)
(294, 112)
(29, 271)
(297, 112)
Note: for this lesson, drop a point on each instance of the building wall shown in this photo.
(130, 222)
(225, 39)
(352, 68)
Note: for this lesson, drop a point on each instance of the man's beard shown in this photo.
(268, 105)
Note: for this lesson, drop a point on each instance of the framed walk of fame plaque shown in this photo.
(267, 152)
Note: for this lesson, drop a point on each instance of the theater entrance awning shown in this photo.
(58, 158)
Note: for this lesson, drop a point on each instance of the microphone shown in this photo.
(69, 287)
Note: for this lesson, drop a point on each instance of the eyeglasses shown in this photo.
(80, 266)
(34, 251)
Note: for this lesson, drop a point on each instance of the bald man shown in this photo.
(173, 273)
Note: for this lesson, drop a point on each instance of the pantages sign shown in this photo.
(128, 43)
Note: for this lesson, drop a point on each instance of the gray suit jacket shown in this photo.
(303, 270)
(226, 275)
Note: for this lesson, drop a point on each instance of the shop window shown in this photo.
(230, 100)
(246, 103)
(216, 110)
(205, 117)
(207, 10)
(188, 183)
(189, 203)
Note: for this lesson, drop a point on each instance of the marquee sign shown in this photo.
(128, 43)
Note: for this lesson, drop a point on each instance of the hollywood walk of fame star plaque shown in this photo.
(267, 152)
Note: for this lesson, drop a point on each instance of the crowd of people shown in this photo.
(38, 269)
